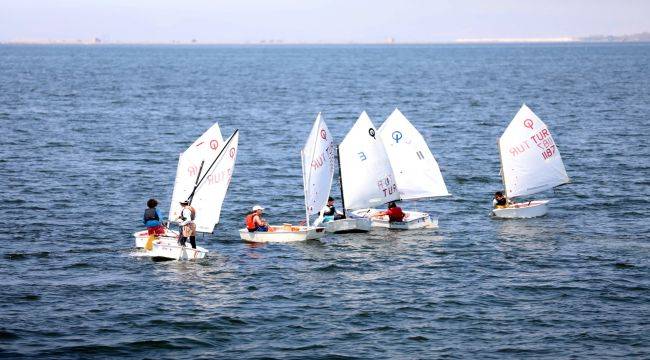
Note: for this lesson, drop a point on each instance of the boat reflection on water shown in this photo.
(254, 245)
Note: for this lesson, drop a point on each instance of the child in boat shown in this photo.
(394, 213)
(188, 226)
(153, 218)
(329, 213)
(254, 221)
(499, 201)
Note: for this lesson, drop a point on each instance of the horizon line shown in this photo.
(292, 43)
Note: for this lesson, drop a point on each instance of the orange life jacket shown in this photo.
(250, 223)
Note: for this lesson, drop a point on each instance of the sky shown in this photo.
(317, 20)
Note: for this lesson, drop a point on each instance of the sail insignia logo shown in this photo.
(397, 136)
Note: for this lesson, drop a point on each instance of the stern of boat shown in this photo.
(523, 210)
(166, 251)
(283, 233)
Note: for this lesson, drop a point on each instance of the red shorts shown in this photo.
(156, 230)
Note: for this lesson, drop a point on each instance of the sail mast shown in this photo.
(211, 165)
(304, 187)
(338, 158)
(503, 174)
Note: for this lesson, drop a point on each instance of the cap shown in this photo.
(184, 202)
(257, 207)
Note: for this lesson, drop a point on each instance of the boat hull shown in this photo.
(354, 225)
(523, 210)
(165, 251)
(141, 237)
(283, 234)
(413, 220)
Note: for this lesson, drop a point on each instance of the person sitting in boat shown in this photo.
(499, 201)
(186, 221)
(254, 221)
(329, 213)
(394, 213)
(153, 218)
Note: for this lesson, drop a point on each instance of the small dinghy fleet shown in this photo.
(376, 167)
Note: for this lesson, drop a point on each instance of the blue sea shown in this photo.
(89, 133)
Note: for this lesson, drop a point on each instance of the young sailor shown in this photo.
(394, 212)
(254, 221)
(329, 213)
(153, 218)
(499, 201)
(186, 221)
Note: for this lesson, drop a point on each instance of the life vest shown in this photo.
(192, 213)
(250, 223)
(330, 211)
(151, 214)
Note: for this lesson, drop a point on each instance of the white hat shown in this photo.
(257, 207)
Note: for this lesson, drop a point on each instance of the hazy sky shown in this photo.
(317, 20)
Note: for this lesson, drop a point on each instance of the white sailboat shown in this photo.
(530, 163)
(365, 177)
(415, 170)
(202, 177)
(317, 172)
(368, 178)
(187, 170)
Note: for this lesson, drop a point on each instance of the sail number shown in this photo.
(328, 154)
(541, 140)
(216, 178)
(387, 186)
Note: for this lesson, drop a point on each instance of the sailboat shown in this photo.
(187, 170)
(203, 175)
(530, 163)
(317, 173)
(368, 177)
(415, 170)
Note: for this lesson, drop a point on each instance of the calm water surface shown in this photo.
(90, 133)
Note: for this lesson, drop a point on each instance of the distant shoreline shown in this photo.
(631, 38)
(598, 39)
(280, 44)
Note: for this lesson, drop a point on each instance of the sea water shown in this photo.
(89, 133)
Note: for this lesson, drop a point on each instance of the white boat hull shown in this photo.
(165, 251)
(523, 210)
(141, 237)
(353, 225)
(166, 247)
(283, 234)
(413, 220)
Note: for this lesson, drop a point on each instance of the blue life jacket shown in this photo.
(151, 217)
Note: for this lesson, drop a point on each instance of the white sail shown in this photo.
(530, 159)
(204, 150)
(210, 193)
(317, 166)
(416, 170)
(205, 147)
(366, 175)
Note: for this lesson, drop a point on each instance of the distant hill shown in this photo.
(640, 37)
